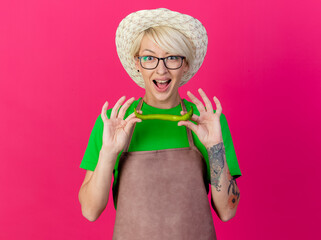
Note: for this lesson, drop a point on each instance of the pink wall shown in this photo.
(58, 64)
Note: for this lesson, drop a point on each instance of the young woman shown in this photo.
(162, 169)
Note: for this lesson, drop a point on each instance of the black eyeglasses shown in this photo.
(171, 62)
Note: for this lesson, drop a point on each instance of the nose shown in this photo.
(161, 68)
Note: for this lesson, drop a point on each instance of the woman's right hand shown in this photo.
(116, 128)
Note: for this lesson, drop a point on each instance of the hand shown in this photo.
(208, 128)
(116, 129)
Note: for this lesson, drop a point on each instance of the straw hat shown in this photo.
(136, 22)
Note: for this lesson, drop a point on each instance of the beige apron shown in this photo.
(162, 194)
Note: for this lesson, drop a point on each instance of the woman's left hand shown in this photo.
(208, 127)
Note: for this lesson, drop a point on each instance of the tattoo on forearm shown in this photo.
(232, 188)
(216, 155)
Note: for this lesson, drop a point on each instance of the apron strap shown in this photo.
(189, 132)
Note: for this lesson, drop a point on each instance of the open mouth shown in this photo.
(162, 84)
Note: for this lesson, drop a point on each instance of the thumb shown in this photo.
(130, 124)
(188, 124)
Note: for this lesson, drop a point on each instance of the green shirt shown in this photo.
(149, 135)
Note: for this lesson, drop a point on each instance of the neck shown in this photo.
(163, 104)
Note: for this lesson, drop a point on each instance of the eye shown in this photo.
(172, 57)
(147, 58)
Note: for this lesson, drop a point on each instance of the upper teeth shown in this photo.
(161, 81)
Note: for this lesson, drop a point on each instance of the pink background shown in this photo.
(58, 65)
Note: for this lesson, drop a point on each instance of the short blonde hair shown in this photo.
(169, 39)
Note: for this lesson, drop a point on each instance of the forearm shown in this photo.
(94, 195)
(225, 192)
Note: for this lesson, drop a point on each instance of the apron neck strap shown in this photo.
(189, 132)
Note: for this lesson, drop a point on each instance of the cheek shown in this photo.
(147, 78)
(179, 76)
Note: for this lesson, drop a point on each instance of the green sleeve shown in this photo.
(229, 148)
(91, 156)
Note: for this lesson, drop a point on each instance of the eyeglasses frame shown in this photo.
(140, 61)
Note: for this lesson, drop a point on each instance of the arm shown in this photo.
(94, 192)
(110, 135)
(225, 193)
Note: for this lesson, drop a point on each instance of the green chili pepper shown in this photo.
(167, 117)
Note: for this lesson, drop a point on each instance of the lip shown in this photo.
(162, 90)
(162, 79)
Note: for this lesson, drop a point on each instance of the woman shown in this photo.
(161, 168)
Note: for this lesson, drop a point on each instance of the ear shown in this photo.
(136, 63)
(186, 67)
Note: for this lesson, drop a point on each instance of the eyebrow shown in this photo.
(152, 51)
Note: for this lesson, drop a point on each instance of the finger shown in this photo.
(183, 112)
(218, 106)
(114, 112)
(208, 103)
(194, 117)
(104, 112)
(130, 117)
(197, 102)
(130, 124)
(124, 108)
(188, 124)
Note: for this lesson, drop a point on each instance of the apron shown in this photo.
(161, 194)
